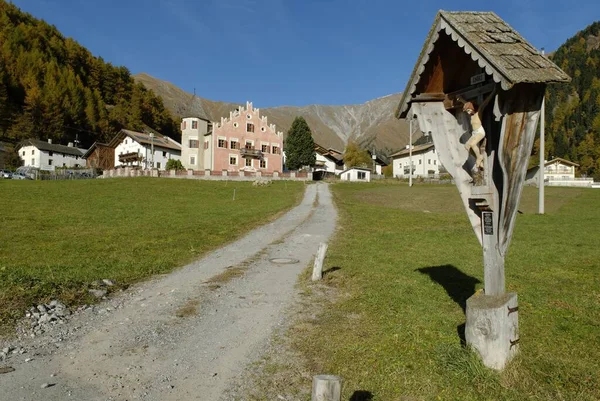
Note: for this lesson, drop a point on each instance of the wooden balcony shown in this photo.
(251, 152)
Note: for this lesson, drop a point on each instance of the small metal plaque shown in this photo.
(477, 79)
(488, 223)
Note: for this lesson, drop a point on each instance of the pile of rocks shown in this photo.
(100, 287)
(43, 316)
(261, 183)
(7, 351)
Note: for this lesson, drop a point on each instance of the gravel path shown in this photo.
(184, 336)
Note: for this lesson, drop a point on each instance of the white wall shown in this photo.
(208, 153)
(329, 166)
(188, 133)
(423, 163)
(32, 156)
(352, 175)
(161, 155)
(559, 171)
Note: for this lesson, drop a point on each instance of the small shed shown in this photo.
(100, 155)
(357, 174)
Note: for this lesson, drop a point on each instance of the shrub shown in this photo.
(173, 164)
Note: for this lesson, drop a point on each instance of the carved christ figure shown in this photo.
(478, 132)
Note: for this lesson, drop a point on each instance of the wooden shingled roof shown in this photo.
(496, 47)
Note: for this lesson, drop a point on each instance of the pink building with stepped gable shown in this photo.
(243, 142)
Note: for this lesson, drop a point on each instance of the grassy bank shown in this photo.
(57, 237)
(403, 264)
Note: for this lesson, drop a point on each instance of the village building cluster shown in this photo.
(246, 142)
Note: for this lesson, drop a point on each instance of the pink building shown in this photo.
(243, 142)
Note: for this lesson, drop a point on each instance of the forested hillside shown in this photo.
(573, 129)
(52, 87)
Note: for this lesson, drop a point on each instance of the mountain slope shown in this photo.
(372, 124)
(573, 109)
(52, 87)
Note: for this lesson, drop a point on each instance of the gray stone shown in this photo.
(61, 312)
(492, 328)
(45, 385)
(6, 350)
(42, 308)
(97, 283)
(45, 318)
(108, 282)
(97, 293)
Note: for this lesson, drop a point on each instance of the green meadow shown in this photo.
(56, 237)
(403, 263)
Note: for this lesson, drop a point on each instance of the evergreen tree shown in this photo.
(573, 109)
(299, 145)
(4, 106)
(52, 87)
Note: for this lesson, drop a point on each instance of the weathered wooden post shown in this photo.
(318, 265)
(478, 88)
(327, 388)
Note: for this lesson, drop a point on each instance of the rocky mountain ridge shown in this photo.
(371, 124)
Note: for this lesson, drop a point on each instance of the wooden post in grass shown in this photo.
(319, 258)
(326, 388)
(483, 119)
(234, 193)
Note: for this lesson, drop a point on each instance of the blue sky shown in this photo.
(285, 52)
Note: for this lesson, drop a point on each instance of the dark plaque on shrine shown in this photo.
(488, 223)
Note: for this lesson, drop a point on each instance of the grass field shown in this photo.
(57, 237)
(403, 263)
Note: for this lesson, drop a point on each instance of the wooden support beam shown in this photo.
(472, 91)
(493, 260)
(429, 97)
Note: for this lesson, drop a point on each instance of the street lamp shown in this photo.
(410, 165)
(374, 157)
(151, 135)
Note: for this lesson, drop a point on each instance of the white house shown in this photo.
(46, 155)
(135, 149)
(425, 161)
(558, 173)
(328, 160)
(356, 174)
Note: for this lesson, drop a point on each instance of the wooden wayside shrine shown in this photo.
(470, 57)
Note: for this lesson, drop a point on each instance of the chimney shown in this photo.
(70, 144)
(49, 140)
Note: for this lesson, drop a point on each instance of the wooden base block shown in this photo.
(492, 328)
(327, 388)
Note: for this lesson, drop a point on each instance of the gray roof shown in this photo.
(143, 138)
(196, 109)
(504, 54)
(416, 149)
(52, 147)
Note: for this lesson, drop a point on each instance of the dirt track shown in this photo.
(183, 336)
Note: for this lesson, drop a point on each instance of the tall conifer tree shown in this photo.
(299, 145)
